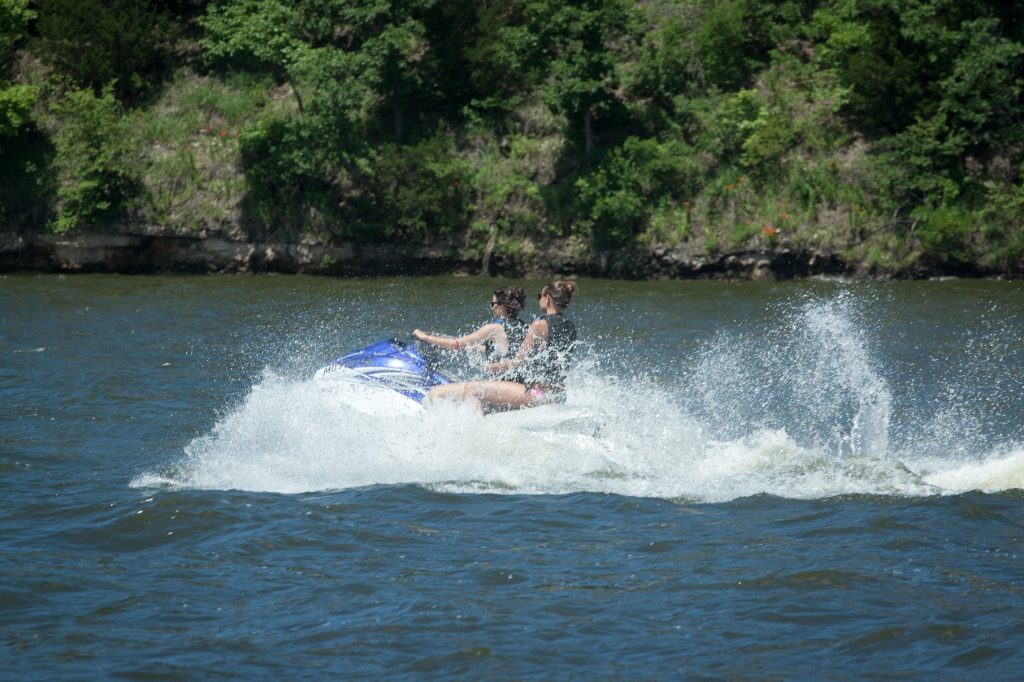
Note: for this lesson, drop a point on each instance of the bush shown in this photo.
(420, 189)
(92, 158)
(16, 102)
(1003, 231)
(733, 39)
(944, 233)
(27, 185)
(287, 163)
(619, 198)
(506, 180)
(129, 43)
(14, 19)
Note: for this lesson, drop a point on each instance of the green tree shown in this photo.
(357, 69)
(15, 16)
(666, 63)
(563, 54)
(503, 61)
(24, 151)
(581, 40)
(97, 42)
(420, 189)
(906, 60)
(16, 100)
(938, 84)
(352, 61)
(92, 158)
(632, 180)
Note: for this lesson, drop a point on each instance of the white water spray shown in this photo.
(799, 410)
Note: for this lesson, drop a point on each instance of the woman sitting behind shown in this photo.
(535, 375)
(502, 335)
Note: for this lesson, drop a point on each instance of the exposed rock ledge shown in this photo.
(143, 254)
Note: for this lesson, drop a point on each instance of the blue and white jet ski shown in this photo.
(393, 376)
(387, 375)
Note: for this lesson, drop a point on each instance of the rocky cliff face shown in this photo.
(143, 254)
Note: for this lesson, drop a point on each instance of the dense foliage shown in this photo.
(887, 131)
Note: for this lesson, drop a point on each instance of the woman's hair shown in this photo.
(560, 292)
(512, 298)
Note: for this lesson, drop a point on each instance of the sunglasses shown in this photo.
(541, 295)
(494, 303)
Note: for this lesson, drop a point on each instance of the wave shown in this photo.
(802, 408)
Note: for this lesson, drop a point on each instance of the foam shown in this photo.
(1002, 469)
(801, 410)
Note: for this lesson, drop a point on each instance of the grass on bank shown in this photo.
(189, 156)
(179, 164)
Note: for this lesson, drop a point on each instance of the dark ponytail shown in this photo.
(512, 299)
(560, 293)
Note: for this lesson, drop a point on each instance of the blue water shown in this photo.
(749, 481)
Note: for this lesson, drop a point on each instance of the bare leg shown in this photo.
(457, 391)
(494, 395)
(501, 395)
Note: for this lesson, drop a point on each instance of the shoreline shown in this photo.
(132, 253)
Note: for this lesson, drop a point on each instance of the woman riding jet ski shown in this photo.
(402, 369)
(500, 337)
(535, 375)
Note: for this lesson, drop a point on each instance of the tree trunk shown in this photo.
(485, 264)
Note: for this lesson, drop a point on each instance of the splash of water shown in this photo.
(811, 375)
(800, 409)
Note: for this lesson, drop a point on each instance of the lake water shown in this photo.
(801, 480)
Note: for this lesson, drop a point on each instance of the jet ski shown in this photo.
(393, 376)
(389, 374)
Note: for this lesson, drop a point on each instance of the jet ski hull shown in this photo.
(392, 371)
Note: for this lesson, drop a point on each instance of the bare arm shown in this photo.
(473, 340)
(536, 336)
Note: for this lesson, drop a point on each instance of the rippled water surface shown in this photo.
(816, 480)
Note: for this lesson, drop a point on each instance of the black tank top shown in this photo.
(515, 330)
(551, 364)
